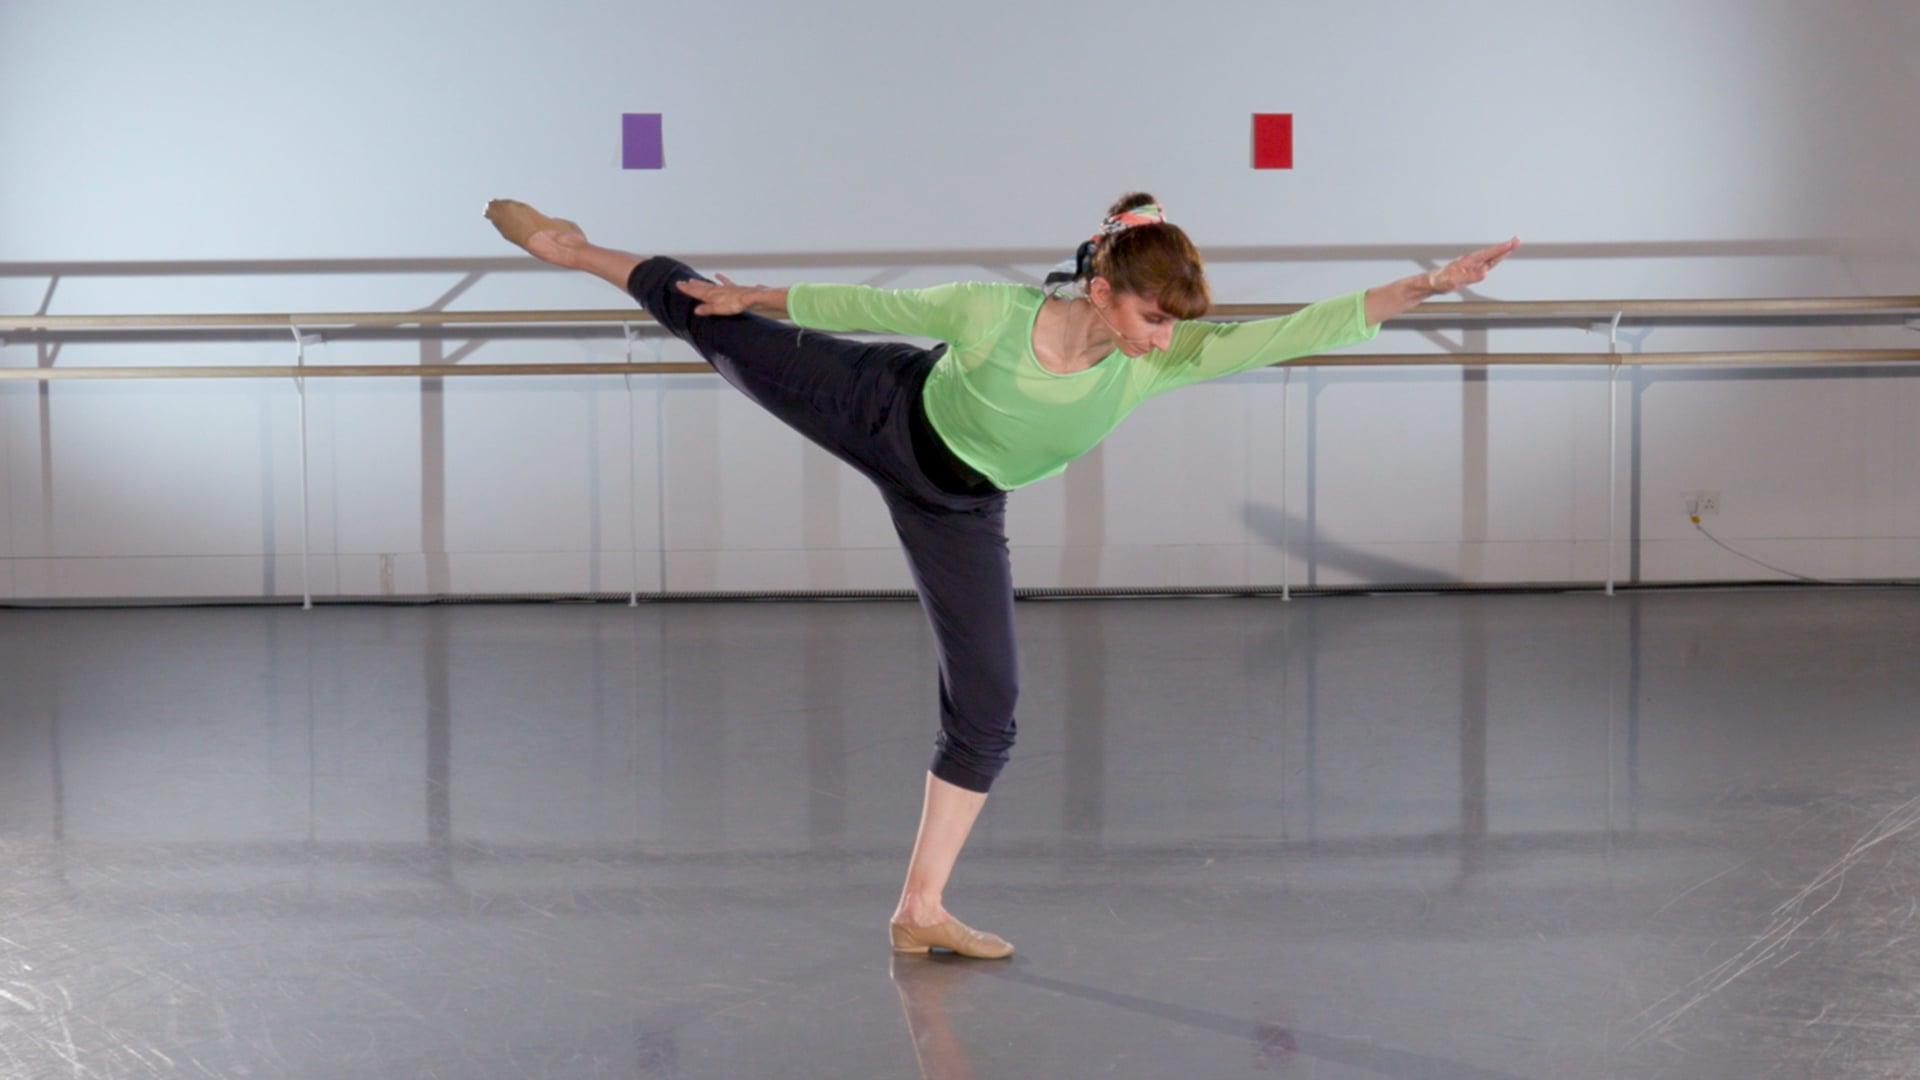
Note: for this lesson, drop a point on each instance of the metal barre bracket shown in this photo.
(1611, 328)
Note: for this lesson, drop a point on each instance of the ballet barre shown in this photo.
(1595, 316)
(1841, 310)
(1761, 358)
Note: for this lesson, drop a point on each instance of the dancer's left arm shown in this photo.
(1401, 296)
(957, 313)
(1209, 350)
(727, 298)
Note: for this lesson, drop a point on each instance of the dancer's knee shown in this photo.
(966, 767)
(977, 732)
(653, 284)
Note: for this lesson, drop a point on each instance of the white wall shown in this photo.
(936, 139)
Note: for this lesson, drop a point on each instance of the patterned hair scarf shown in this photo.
(1063, 277)
(1150, 214)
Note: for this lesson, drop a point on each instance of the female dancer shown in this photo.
(1027, 381)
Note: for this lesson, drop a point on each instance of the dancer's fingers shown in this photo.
(1474, 267)
(1500, 251)
(725, 299)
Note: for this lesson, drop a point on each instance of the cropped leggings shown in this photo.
(858, 400)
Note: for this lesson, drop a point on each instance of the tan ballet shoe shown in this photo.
(952, 934)
(518, 222)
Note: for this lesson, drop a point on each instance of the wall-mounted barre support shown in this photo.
(1286, 554)
(633, 480)
(1613, 443)
(300, 343)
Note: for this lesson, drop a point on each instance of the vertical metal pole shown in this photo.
(1613, 467)
(1613, 443)
(660, 470)
(633, 478)
(1613, 707)
(1250, 467)
(306, 527)
(1286, 555)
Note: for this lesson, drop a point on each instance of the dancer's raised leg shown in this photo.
(836, 392)
(559, 241)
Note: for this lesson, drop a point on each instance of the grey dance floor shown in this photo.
(1658, 835)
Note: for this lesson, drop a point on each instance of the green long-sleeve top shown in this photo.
(1014, 421)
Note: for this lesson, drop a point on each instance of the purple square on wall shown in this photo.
(640, 144)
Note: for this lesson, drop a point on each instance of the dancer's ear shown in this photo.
(1100, 291)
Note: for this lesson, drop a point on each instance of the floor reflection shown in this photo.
(1656, 835)
(925, 981)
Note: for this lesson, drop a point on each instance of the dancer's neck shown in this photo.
(1071, 336)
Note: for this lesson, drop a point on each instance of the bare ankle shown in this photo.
(918, 911)
(557, 248)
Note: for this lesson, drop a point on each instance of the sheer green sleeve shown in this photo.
(1207, 350)
(958, 314)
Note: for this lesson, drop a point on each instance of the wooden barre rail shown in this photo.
(1767, 308)
(1802, 357)
(991, 259)
(1867, 309)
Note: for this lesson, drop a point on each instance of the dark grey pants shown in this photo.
(856, 399)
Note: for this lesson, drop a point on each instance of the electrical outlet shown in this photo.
(1701, 503)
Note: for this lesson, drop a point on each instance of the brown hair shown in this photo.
(1154, 260)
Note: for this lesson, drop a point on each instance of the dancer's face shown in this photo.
(1139, 322)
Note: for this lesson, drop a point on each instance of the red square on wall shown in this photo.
(1273, 140)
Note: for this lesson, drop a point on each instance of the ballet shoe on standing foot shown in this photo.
(953, 935)
(518, 222)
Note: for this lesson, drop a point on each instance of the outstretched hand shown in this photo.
(1469, 269)
(725, 298)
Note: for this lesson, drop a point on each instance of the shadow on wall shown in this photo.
(1288, 532)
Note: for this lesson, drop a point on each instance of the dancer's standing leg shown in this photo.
(963, 575)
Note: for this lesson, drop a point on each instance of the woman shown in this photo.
(1028, 380)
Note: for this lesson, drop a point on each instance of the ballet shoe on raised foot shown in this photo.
(952, 935)
(518, 222)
